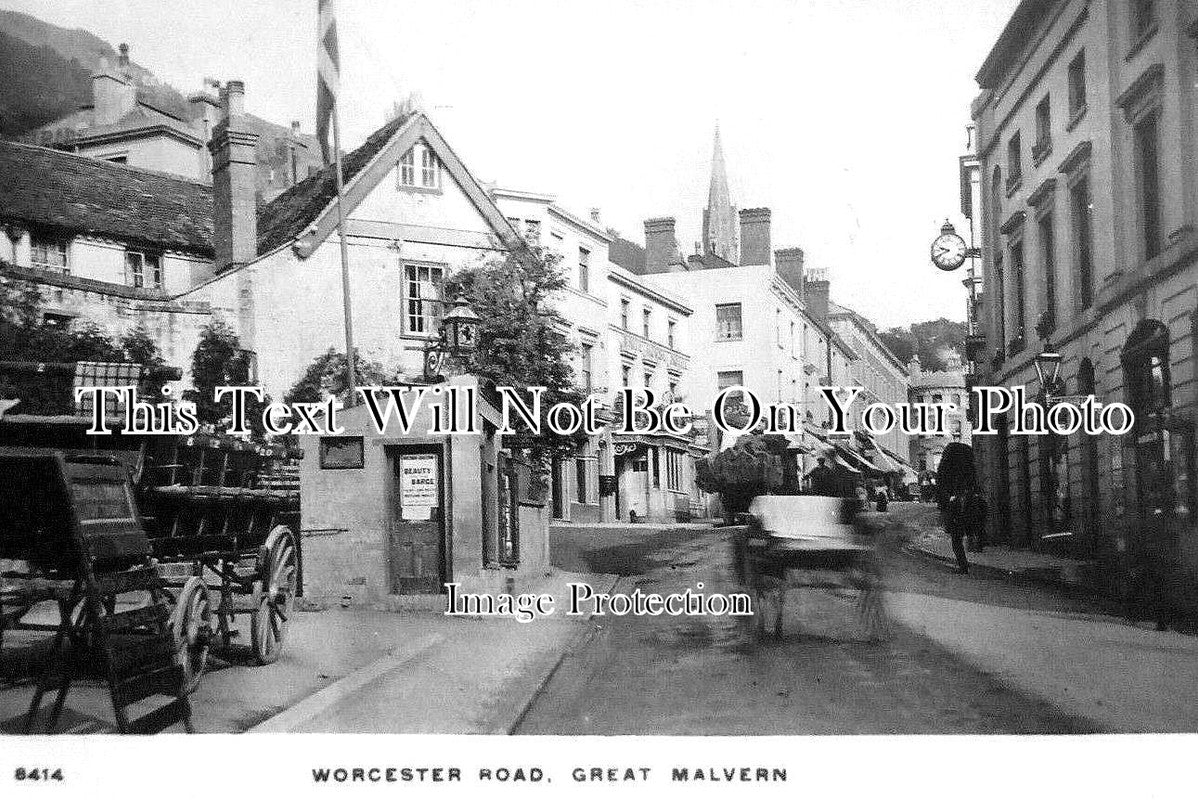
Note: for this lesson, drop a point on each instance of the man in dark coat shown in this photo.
(823, 480)
(959, 498)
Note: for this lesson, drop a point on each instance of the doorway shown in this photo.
(417, 541)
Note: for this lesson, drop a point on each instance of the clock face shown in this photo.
(948, 251)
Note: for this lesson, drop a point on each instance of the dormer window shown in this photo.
(430, 175)
(420, 168)
(143, 270)
(407, 168)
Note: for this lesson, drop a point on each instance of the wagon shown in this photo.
(808, 541)
(148, 544)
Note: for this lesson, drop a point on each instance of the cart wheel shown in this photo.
(82, 630)
(273, 596)
(191, 629)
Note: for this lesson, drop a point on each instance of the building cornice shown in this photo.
(648, 291)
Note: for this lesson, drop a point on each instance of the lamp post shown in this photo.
(1048, 362)
(457, 337)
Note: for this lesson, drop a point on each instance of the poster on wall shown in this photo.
(419, 490)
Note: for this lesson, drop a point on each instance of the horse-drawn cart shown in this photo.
(150, 546)
(808, 541)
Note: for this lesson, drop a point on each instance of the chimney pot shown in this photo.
(660, 244)
(124, 59)
(295, 126)
(234, 184)
(789, 264)
(234, 99)
(595, 215)
(754, 236)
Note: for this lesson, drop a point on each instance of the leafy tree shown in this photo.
(521, 341)
(219, 360)
(26, 336)
(326, 376)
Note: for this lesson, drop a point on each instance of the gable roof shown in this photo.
(53, 189)
(42, 187)
(308, 209)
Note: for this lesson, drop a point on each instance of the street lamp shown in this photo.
(1048, 362)
(457, 337)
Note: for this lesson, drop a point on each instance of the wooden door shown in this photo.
(418, 530)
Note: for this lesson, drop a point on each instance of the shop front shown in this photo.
(654, 478)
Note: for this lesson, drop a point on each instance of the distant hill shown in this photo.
(931, 341)
(48, 73)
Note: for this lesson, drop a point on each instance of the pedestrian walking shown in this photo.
(960, 498)
(823, 479)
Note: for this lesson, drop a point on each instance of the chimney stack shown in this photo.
(234, 183)
(123, 61)
(595, 216)
(789, 264)
(113, 96)
(815, 296)
(660, 245)
(754, 237)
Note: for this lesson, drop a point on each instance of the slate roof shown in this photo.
(629, 255)
(285, 218)
(77, 194)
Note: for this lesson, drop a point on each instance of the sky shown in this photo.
(845, 117)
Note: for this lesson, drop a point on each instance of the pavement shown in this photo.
(931, 541)
(352, 670)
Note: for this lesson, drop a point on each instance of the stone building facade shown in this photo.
(1086, 126)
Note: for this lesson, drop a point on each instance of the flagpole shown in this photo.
(350, 372)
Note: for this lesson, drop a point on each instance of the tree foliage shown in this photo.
(219, 360)
(326, 376)
(932, 341)
(522, 341)
(26, 335)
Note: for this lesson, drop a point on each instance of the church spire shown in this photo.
(719, 218)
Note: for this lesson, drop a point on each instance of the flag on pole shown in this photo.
(328, 74)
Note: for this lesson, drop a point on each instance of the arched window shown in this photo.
(1146, 369)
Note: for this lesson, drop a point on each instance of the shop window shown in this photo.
(674, 470)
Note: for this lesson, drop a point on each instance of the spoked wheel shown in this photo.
(83, 623)
(274, 594)
(191, 629)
